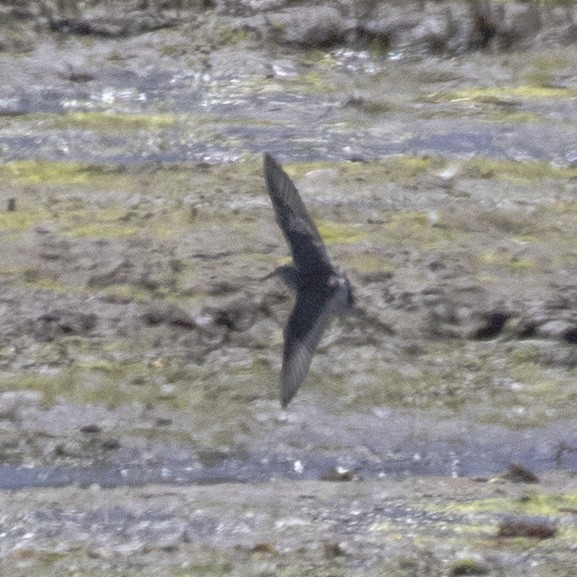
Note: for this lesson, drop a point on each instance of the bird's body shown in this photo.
(323, 291)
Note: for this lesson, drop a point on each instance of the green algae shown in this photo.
(365, 263)
(408, 167)
(547, 66)
(417, 229)
(109, 222)
(312, 82)
(13, 221)
(173, 224)
(514, 171)
(401, 169)
(468, 566)
(458, 377)
(108, 121)
(333, 232)
(98, 385)
(531, 503)
(103, 229)
(128, 292)
(513, 117)
(497, 258)
(495, 95)
(44, 172)
(373, 106)
(38, 280)
(398, 388)
(397, 169)
(48, 385)
(96, 378)
(230, 36)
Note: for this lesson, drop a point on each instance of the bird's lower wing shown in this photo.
(308, 321)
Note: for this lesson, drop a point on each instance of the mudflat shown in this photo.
(138, 346)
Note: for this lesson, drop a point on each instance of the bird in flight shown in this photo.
(322, 290)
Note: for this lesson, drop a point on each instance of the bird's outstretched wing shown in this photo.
(301, 233)
(314, 308)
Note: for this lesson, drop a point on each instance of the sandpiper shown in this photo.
(323, 291)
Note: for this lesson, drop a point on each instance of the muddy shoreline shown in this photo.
(408, 527)
(138, 347)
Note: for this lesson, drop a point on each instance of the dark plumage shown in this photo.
(323, 291)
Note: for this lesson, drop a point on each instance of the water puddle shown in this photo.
(468, 458)
(219, 119)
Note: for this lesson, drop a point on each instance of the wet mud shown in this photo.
(140, 426)
(416, 526)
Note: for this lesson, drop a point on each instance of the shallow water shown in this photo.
(204, 117)
(537, 449)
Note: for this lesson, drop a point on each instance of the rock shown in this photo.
(516, 473)
(118, 26)
(436, 32)
(469, 566)
(110, 444)
(310, 27)
(262, 5)
(57, 323)
(221, 288)
(483, 26)
(376, 277)
(168, 315)
(53, 248)
(339, 474)
(555, 354)
(525, 526)
(267, 548)
(524, 23)
(380, 29)
(490, 325)
(332, 549)
(78, 74)
(12, 446)
(91, 429)
(115, 271)
(237, 314)
(11, 403)
(74, 449)
(557, 329)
